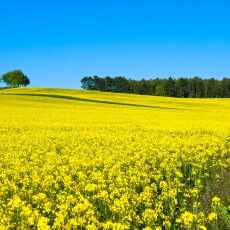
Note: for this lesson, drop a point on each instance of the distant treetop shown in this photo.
(174, 87)
(15, 78)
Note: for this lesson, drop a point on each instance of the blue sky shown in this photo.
(57, 42)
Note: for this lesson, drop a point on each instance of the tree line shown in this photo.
(15, 78)
(194, 87)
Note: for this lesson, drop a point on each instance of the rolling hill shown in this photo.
(78, 159)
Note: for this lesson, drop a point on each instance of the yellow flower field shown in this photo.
(87, 160)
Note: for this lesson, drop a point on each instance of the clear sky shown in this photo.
(56, 42)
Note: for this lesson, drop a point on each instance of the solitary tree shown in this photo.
(15, 79)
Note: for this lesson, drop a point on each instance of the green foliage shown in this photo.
(224, 216)
(15, 79)
(181, 87)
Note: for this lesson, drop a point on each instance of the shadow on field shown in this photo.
(94, 101)
(2, 88)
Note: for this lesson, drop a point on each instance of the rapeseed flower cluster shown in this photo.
(65, 169)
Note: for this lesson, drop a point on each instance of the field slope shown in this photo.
(75, 159)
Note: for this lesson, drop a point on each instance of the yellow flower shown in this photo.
(31, 220)
(59, 220)
(91, 187)
(158, 228)
(77, 164)
(16, 202)
(147, 228)
(202, 227)
(187, 218)
(26, 211)
(216, 201)
(43, 224)
(212, 217)
(150, 216)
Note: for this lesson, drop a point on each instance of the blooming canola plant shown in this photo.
(88, 160)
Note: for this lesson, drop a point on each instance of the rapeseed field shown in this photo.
(74, 159)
